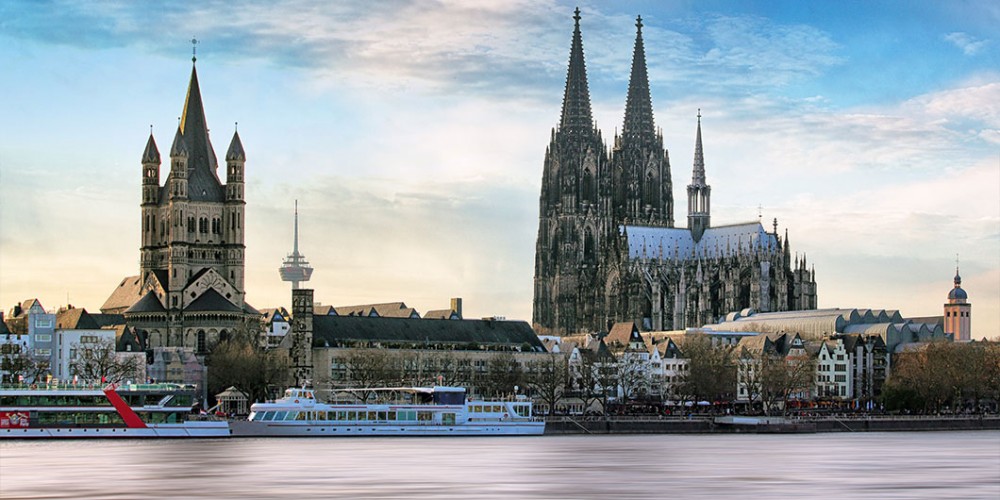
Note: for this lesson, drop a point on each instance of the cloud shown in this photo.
(762, 52)
(969, 44)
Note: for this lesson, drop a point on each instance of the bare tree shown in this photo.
(20, 364)
(632, 375)
(241, 362)
(711, 371)
(503, 374)
(100, 362)
(549, 378)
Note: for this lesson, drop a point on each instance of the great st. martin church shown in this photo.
(607, 248)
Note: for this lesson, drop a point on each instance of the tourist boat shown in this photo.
(126, 411)
(397, 411)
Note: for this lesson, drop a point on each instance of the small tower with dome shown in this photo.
(958, 312)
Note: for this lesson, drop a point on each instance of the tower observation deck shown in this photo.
(295, 268)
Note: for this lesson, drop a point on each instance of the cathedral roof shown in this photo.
(151, 154)
(203, 180)
(576, 115)
(645, 242)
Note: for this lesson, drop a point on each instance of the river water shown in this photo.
(902, 465)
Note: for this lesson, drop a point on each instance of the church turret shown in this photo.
(958, 312)
(178, 180)
(699, 192)
(150, 190)
(643, 191)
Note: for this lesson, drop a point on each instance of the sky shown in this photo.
(413, 134)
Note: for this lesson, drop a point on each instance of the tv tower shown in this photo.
(295, 268)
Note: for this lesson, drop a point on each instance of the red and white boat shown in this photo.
(112, 411)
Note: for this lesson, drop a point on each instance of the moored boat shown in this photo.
(396, 411)
(111, 411)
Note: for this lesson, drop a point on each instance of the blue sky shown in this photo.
(413, 134)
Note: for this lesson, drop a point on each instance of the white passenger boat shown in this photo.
(111, 411)
(406, 411)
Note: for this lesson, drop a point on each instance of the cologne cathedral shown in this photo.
(607, 248)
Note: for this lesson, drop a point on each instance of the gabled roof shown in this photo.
(335, 330)
(442, 314)
(124, 295)
(213, 302)
(149, 303)
(384, 310)
(106, 320)
(75, 319)
(623, 335)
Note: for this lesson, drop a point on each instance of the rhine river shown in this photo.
(902, 465)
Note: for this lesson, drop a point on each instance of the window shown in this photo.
(43, 323)
(43, 352)
(43, 338)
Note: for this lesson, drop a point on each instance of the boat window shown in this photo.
(372, 415)
(291, 415)
(352, 415)
(253, 416)
(280, 415)
(425, 416)
(382, 415)
(392, 415)
(321, 415)
(303, 415)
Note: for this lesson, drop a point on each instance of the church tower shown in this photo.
(190, 288)
(699, 192)
(958, 312)
(572, 208)
(643, 191)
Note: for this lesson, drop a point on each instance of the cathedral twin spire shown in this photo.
(576, 115)
(638, 105)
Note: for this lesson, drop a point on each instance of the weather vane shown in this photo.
(194, 49)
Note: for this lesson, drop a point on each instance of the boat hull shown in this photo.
(208, 429)
(306, 429)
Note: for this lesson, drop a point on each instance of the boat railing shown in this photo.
(64, 386)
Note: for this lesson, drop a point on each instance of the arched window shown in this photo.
(201, 341)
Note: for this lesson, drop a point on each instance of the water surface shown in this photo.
(862, 465)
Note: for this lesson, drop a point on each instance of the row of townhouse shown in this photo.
(652, 366)
(841, 368)
(39, 346)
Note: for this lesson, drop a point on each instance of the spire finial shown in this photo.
(236, 126)
(194, 49)
(576, 16)
(638, 22)
(699, 116)
(150, 129)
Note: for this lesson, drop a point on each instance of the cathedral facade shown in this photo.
(607, 248)
(190, 288)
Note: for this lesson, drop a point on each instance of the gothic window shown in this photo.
(587, 194)
(201, 341)
(588, 247)
(190, 224)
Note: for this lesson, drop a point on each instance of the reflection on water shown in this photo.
(863, 465)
